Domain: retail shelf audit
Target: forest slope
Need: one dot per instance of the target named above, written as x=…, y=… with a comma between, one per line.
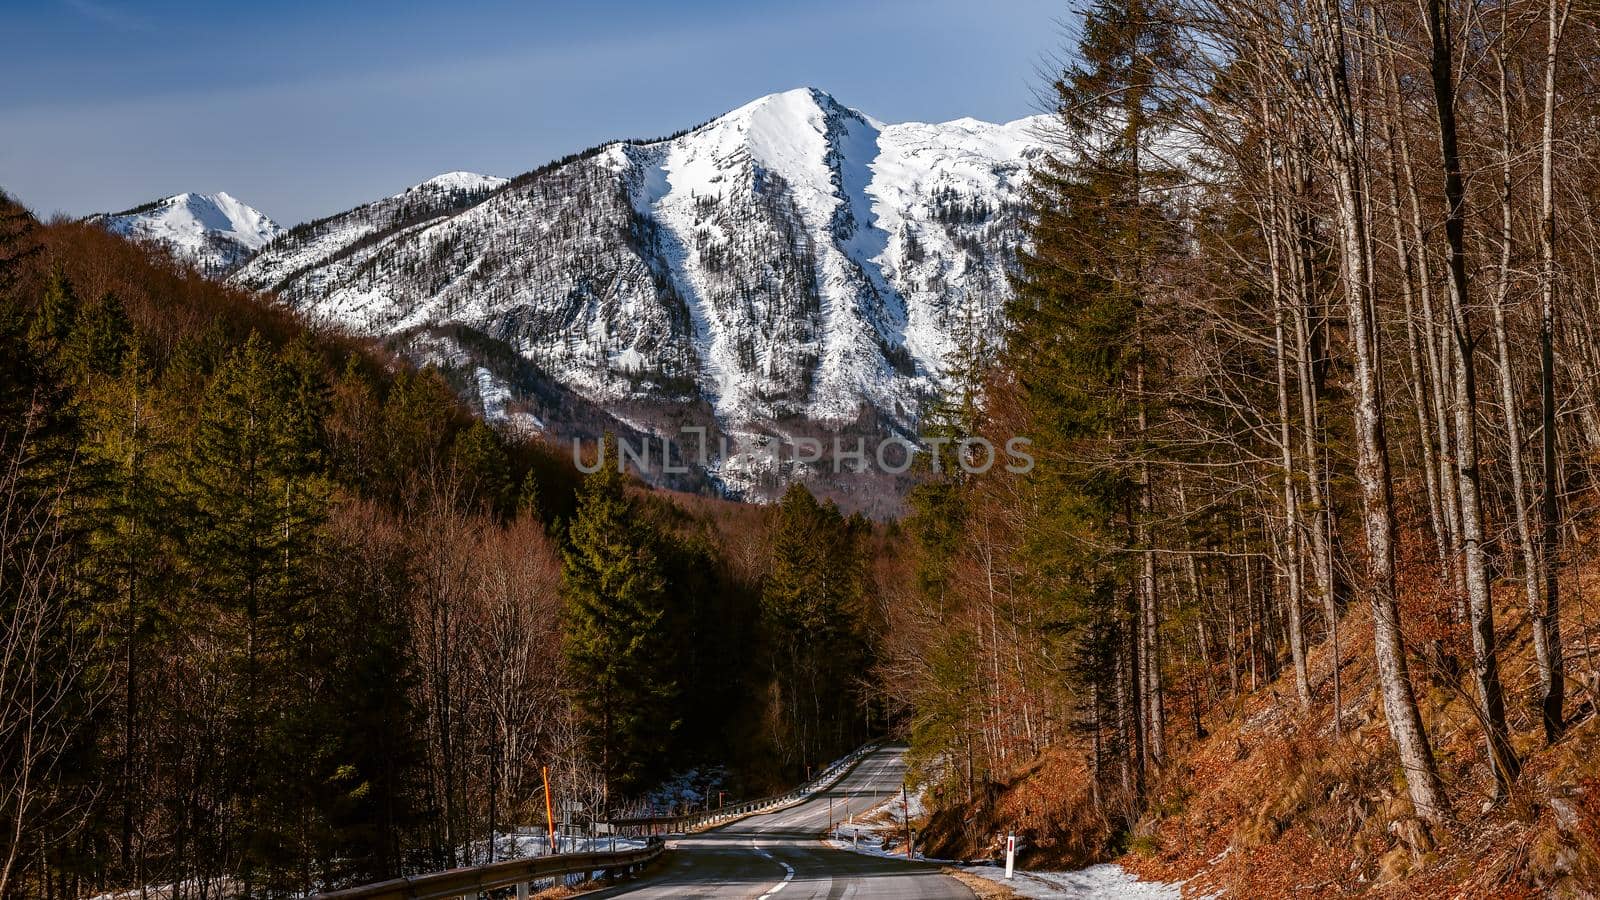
x=1262, y=800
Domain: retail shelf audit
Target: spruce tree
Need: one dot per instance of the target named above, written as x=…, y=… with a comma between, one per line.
x=254, y=502
x=127, y=568
x=418, y=422
x=54, y=316
x=98, y=339
x=47, y=750
x=528, y=497
x=364, y=789
x=811, y=610
x=938, y=502
x=1080, y=348
x=618, y=642
x=481, y=464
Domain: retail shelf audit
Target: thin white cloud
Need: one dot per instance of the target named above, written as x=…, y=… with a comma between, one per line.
x=107, y=15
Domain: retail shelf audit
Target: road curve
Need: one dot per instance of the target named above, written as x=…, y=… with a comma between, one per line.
x=779, y=855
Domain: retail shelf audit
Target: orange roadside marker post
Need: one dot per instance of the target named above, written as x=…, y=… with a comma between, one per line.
x=549, y=810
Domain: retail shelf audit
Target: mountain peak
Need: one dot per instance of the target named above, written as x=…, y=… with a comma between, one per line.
x=459, y=181
x=801, y=103
x=789, y=260
x=802, y=94
x=814, y=95
x=790, y=132
x=217, y=231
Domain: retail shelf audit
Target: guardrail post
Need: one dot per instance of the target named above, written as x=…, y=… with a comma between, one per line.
x=522, y=890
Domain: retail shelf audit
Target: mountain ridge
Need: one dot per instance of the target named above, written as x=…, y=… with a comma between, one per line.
x=791, y=266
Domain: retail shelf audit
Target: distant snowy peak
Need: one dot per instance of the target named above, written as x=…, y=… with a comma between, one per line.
x=215, y=231
x=470, y=182
x=788, y=127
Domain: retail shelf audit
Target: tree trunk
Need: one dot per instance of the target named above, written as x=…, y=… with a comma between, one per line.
x=1372, y=466
x=1552, y=669
x=1480, y=606
x=1291, y=507
x=1508, y=390
x=1450, y=569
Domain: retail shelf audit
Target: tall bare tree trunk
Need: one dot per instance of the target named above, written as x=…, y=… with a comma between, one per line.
x=1154, y=705
x=1480, y=605
x=1372, y=465
x=1421, y=378
x=1150, y=628
x=1435, y=346
x=1551, y=669
x=1130, y=715
x=1291, y=507
x=1508, y=390
x=1320, y=516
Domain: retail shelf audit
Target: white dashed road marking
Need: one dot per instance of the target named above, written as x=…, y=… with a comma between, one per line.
x=788, y=871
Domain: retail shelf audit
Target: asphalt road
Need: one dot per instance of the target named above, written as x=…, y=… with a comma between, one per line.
x=780, y=855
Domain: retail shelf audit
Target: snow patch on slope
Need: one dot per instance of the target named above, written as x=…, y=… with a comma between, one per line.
x=916, y=167
x=308, y=252
x=495, y=398
x=457, y=181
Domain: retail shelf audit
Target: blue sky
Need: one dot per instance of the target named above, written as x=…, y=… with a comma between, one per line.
x=306, y=108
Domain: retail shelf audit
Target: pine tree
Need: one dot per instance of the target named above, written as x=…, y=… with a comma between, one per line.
x=127, y=569
x=811, y=610
x=480, y=460
x=307, y=403
x=47, y=698
x=54, y=316
x=98, y=339
x=528, y=497
x=1080, y=348
x=38, y=415
x=254, y=503
x=617, y=632
x=419, y=419
x=365, y=788
x=939, y=501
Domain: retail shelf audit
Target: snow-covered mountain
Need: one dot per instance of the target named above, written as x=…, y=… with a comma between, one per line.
x=215, y=231
x=791, y=265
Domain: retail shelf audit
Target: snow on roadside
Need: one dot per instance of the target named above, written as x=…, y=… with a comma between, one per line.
x=525, y=842
x=189, y=887
x=1107, y=881
x=879, y=831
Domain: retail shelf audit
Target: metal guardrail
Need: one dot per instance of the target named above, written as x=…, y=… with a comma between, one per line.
x=714, y=817
x=471, y=881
